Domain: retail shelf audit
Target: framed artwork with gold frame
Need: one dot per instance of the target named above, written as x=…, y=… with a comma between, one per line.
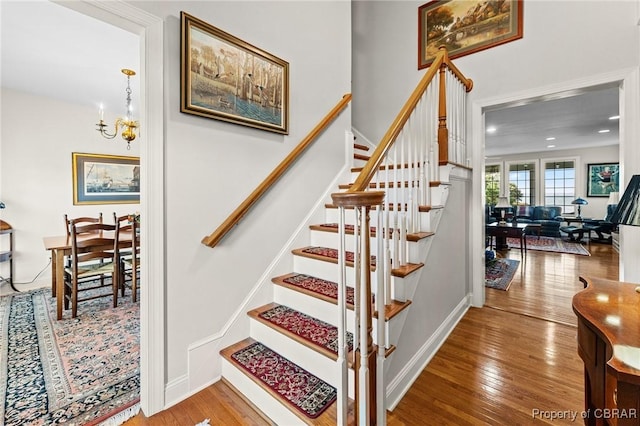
x=228, y=79
x=466, y=26
x=105, y=179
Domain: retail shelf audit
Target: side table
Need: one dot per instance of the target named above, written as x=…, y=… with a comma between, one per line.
x=502, y=232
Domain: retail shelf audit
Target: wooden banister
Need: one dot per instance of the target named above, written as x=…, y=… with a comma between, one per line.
x=235, y=217
x=369, y=170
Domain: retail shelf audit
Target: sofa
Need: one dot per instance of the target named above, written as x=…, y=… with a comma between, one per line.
x=548, y=217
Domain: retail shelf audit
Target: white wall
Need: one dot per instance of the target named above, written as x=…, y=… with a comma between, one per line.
x=38, y=136
x=212, y=166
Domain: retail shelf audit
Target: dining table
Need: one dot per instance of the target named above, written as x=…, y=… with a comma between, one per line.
x=60, y=247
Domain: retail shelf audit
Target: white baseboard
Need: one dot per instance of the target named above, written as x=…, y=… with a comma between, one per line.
x=400, y=384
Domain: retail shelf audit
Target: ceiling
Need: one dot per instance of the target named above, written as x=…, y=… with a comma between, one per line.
x=573, y=119
x=53, y=51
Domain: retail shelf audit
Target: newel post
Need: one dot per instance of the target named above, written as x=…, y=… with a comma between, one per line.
x=364, y=353
x=443, y=132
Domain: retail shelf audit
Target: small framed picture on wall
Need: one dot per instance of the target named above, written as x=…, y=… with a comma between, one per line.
x=602, y=178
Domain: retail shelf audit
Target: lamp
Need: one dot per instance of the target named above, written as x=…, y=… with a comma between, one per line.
x=614, y=197
x=127, y=124
x=580, y=202
x=503, y=205
x=627, y=212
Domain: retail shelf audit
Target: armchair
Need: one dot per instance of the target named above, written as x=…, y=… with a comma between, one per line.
x=601, y=227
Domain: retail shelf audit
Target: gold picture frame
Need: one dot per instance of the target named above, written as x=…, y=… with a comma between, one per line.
x=105, y=179
x=228, y=79
x=466, y=26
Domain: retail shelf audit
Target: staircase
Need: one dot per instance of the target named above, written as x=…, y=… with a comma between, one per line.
x=319, y=350
x=308, y=296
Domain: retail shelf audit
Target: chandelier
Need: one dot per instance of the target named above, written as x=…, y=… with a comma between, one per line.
x=127, y=124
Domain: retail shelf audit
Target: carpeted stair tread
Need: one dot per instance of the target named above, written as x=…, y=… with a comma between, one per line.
x=421, y=209
x=327, y=254
x=313, y=286
x=376, y=185
x=305, y=329
x=314, y=406
x=327, y=291
x=333, y=227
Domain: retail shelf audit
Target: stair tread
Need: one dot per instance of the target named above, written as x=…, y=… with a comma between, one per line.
x=361, y=147
x=361, y=157
x=327, y=417
x=313, y=286
x=333, y=227
x=323, y=289
x=328, y=254
x=323, y=340
x=422, y=209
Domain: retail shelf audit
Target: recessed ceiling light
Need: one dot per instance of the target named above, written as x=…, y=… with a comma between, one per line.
x=614, y=117
x=604, y=131
x=491, y=129
x=551, y=138
x=551, y=146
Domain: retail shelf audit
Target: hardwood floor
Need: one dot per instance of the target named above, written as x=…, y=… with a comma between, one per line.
x=513, y=362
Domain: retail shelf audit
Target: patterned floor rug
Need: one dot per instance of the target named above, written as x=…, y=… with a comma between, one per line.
x=318, y=333
x=557, y=245
x=81, y=371
x=499, y=273
x=304, y=391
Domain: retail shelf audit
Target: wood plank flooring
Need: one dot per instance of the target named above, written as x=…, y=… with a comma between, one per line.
x=501, y=363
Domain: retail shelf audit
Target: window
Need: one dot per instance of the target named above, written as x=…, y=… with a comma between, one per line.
x=522, y=183
x=560, y=184
x=492, y=183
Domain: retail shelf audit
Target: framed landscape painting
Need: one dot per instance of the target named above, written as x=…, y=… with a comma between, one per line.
x=602, y=178
x=105, y=179
x=466, y=26
x=228, y=79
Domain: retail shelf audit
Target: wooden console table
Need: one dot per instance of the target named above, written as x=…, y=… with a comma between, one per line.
x=609, y=344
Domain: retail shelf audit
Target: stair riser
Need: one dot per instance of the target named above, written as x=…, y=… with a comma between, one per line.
x=316, y=363
x=329, y=271
x=327, y=312
x=332, y=239
x=332, y=216
x=317, y=308
x=272, y=408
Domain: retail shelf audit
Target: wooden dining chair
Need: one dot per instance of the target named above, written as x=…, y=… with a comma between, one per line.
x=79, y=221
x=93, y=255
x=129, y=254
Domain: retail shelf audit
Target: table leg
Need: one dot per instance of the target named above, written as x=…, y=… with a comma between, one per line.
x=54, y=253
x=59, y=284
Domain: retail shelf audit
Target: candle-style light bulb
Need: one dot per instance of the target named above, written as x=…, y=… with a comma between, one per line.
x=101, y=112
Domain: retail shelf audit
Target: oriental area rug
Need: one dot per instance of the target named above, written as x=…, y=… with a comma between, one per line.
x=550, y=244
x=80, y=371
x=499, y=273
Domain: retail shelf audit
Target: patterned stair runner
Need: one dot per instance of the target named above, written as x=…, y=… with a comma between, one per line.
x=324, y=288
x=305, y=392
x=312, y=330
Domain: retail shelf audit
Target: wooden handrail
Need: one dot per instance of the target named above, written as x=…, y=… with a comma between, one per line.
x=370, y=169
x=235, y=217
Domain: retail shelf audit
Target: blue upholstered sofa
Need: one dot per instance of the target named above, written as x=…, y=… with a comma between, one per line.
x=549, y=217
